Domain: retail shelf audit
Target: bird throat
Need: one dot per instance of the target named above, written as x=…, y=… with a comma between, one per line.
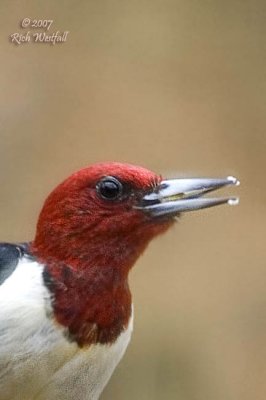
x=88, y=280
x=89, y=288
x=94, y=304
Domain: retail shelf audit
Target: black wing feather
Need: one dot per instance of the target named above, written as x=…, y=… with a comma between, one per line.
x=10, y=254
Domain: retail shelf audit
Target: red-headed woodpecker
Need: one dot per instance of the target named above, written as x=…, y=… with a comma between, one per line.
x=65, y=306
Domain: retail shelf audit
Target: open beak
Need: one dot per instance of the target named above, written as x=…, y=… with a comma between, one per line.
x=174, y=196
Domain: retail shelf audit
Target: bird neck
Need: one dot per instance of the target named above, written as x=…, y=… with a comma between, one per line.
x=87, y=275
x=93, y=304
x=89, y=287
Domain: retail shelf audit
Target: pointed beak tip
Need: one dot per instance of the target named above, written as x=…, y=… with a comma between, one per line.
x=233, y=201
x=233, y=181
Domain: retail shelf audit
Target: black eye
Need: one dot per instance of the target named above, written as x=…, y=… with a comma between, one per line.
x=109, y=188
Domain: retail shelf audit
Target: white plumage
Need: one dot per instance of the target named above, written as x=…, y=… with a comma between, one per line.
x=37, y=361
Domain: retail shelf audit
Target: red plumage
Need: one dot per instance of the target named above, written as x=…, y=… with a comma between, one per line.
x=89, y=244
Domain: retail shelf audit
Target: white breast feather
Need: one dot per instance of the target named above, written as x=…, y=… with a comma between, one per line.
x=37, y=362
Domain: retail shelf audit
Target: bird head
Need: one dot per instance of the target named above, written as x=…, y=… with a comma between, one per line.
x=90, y=232
x=107, y=213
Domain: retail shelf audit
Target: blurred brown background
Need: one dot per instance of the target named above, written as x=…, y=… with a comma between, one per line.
x=178, y=87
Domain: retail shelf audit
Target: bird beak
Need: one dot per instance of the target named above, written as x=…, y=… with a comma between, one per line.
x=174, y=196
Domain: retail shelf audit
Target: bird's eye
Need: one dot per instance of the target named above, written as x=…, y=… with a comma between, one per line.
x=109, y=188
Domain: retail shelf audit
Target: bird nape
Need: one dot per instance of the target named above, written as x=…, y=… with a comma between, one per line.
x=66, y=312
